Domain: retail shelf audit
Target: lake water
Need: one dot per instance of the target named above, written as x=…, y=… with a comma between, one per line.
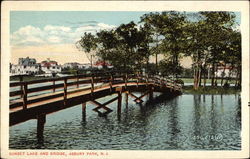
x=187, y=122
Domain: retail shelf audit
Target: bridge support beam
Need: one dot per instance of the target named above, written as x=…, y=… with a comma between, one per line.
x=103, y=106
x=41, y=119
x=139, y=100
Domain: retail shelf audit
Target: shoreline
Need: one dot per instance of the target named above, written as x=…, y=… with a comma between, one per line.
x=211, y=90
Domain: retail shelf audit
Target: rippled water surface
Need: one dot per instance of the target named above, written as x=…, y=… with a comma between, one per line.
x=187, y=122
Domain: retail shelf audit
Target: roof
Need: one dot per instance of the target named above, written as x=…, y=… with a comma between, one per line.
x=102, y=63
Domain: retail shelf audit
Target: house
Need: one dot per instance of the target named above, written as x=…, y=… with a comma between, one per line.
x=225, y=71
x=76, y=65
x=25, y=66
x=26, y=61
x=25, y=69
x=101, y=64
x=84, y=66
x=71, y=65
x=48, y=67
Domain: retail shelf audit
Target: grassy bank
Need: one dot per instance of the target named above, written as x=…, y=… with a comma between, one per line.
x=27, y=78
x=208, y=81
x=211, y=90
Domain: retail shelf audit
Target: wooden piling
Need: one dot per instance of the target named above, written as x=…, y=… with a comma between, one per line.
x=84, y=111
x=41, y=119
x=126, y=95
x=151, y=93
x=119, y=105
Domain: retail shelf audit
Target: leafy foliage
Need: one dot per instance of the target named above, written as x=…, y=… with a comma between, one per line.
x=207, y=37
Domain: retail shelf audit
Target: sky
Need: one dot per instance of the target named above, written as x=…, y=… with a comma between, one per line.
x=53, y=34
x=48, y=34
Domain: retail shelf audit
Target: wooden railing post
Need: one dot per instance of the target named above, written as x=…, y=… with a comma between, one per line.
x=54, y=89
x=25, y=94
x=110, y=82
x=65, y=91
x=161, y=82
x=174, y=85
x=21, y=86
x=137, y=79
x=126, y=80
x=92, y=85
x=77, y=79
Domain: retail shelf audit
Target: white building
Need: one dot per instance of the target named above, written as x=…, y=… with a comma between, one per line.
x=70, y=65
x=48, y=67
x=25, y=66
x=224, y=71
x=24, y=70
x=28, y=66
x=76, y=65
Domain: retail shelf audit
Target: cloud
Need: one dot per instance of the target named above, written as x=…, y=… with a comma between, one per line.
x=82, y=22
x=237, y=28
x=28, y=35
x=54, y=39
x=50, y=34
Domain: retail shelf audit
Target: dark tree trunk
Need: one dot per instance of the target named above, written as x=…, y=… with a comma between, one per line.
x=222, y=78
x=194, y=77
x=216, y=77
x=200, y=77
x=204, y=79
x=212, y=74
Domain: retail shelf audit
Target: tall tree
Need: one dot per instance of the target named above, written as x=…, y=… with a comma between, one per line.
x=171, y=28
x=88, y=43
x=150, y=22
x=217, y=23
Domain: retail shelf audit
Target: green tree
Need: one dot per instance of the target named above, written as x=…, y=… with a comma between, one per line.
x=207, y=40
x=168, y=68
x=217, y=24
x=150, y=22
x=89, y=44
x=170, y=27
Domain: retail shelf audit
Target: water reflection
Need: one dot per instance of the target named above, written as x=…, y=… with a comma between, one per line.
x=187, y=122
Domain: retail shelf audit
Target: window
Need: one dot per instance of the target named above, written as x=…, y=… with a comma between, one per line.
x=47, y=67
x=53, y=67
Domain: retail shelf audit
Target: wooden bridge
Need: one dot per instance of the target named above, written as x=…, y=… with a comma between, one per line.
x=35, y=99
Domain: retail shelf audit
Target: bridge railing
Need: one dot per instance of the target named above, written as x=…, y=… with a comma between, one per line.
x=63, y=86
